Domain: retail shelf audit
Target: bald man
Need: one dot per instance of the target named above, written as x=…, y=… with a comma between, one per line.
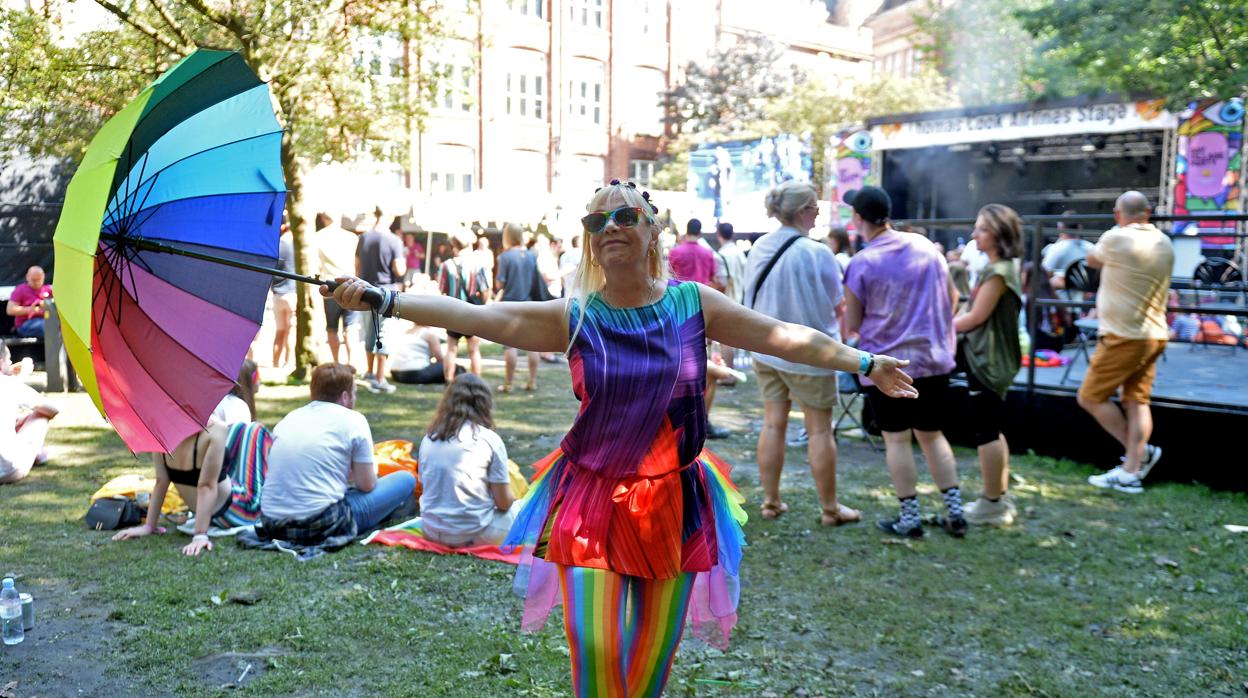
x=1135, y=259
x=26, y=305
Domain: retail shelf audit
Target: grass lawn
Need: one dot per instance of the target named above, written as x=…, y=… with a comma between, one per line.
x=1092, y=593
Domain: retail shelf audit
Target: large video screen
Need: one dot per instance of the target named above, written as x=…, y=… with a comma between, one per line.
x=730, y=179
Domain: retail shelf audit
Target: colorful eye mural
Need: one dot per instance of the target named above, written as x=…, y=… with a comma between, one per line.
x=851, y=168
x=1208, y=165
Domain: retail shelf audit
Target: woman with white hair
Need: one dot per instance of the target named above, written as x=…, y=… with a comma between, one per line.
x=795, y=279
x=629, y=521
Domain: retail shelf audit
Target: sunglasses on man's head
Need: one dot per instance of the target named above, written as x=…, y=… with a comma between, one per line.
x=624, y=216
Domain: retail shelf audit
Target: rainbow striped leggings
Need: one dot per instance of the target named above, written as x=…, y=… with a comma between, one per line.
x=623, y=631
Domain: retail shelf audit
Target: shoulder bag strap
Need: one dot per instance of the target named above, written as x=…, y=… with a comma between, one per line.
x=771, y=263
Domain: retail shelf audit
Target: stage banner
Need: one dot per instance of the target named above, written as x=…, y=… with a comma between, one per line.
x=851, y=169
x=1030, y=121
x=730, y=179
x=1208, y=166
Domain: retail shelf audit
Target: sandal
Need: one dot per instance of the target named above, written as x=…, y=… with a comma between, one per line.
x=841, y=515
x=774, y=510
x=530, y=387
x=505, y=388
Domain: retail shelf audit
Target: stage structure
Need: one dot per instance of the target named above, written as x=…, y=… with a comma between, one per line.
x=1046, y=158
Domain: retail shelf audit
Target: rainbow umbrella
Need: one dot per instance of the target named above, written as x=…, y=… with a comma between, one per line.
x=184, y=180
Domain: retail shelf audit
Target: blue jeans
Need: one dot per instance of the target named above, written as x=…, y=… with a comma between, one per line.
x=32, y=328
x=371, y=508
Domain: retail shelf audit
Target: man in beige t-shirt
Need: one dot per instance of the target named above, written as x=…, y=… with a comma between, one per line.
x=1135, y=260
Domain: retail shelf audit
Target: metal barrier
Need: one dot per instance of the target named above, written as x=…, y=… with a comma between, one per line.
x=1036, y=225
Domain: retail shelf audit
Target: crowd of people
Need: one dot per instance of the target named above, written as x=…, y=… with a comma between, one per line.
x=630, y=523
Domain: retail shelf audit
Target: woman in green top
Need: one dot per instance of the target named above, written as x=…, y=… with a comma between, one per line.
x=989, y=346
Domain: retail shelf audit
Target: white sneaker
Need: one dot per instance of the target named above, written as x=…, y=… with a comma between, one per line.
x=1118, y=479
x=1152, y=454
x=801, y=439
x=380, y=387
x=984, y=512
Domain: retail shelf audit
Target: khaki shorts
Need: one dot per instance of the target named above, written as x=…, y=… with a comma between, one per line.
x=1129, y=363
x=815, y=392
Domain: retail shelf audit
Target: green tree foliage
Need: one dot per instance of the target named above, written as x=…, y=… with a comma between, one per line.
x=332, y=103
x=730, y=87
x=814, y=108
x=1181, y=50
x=981, y=47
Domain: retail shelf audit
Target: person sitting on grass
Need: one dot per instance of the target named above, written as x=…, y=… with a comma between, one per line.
x=220, y=470
x=239, y=405
x=322, y=479
x=418, y=359
x=21, y=438
x=466, y=498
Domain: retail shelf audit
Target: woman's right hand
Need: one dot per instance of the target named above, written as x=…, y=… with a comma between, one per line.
x=890, y=379
x=349, y=293
x=138, y=532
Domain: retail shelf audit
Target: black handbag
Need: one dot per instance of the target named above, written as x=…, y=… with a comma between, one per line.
x=112, y=513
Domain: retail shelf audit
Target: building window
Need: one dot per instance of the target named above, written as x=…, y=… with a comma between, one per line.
x=527, y=8
x=585, y=89
x=467, y=180
x=640, y=171
x=526, y=86
x=586, y=13
x=454, y=86
x=652, y=18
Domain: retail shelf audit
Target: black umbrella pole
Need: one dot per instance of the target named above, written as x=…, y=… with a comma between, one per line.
x=372, y=296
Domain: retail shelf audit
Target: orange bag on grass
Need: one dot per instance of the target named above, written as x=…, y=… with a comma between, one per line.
x=395, y=455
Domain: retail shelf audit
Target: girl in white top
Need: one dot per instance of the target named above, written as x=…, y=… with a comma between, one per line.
x=466, y=498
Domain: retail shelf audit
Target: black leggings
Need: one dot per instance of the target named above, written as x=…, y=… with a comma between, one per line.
x=987, y=411
x=429, y=375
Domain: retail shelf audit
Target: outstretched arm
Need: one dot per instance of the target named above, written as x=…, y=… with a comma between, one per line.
x=532, y=326
x=737, y=326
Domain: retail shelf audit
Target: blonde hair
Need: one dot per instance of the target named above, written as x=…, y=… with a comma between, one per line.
x=786, y=200
x=589, y=278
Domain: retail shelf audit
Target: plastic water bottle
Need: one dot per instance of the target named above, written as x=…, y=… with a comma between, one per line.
x=11, y=613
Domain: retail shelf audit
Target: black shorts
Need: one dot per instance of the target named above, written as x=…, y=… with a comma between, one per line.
x=335, y=316
x=925, y=413
x=455, y=336
x=987, y=411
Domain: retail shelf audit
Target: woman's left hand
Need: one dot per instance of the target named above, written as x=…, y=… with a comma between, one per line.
x=199, y=543
x=890, y=379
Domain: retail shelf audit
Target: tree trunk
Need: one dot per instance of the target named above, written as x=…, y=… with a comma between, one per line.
x=305, y=356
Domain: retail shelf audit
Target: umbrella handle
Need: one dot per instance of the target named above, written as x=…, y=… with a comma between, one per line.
x=373, y=295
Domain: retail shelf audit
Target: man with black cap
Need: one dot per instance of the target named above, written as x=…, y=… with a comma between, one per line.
x=900, y=300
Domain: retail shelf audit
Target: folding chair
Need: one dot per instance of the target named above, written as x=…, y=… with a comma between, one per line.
x=1082, y=279
x=849, y=394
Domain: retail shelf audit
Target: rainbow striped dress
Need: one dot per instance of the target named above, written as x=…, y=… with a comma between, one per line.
x=630, y=489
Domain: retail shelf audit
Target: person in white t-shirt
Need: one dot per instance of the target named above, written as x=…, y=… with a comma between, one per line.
x=239, y=405
x=21, y=439
x=466, y=497
x=419, y=357
x=322, y=457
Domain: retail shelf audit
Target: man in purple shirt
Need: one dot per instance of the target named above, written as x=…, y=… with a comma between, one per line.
x=692, y=260
x=900, y=300
x=26, y=305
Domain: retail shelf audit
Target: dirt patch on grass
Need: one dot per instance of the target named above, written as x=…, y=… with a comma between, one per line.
x=233, y=669
x=69, y=651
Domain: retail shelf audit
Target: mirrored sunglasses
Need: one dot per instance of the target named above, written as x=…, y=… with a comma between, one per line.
x=624, y=216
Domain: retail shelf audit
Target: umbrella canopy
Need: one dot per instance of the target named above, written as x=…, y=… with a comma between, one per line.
x=192, y=163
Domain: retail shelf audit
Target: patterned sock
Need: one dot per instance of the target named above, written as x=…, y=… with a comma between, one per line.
x=909, y=512
x=953, y=502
